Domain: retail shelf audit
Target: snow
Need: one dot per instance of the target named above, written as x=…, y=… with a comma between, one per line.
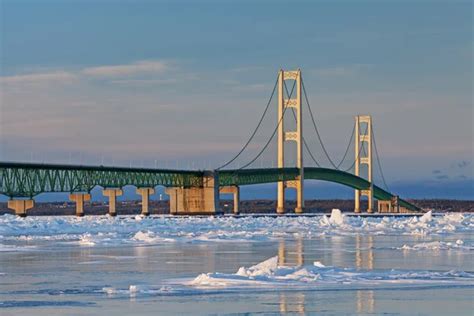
x=93, y=231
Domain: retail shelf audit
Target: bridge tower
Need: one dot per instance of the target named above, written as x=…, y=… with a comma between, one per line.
x=363, y=158
x=284, y=136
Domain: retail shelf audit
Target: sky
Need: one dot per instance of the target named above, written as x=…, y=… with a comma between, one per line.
x=182, y=84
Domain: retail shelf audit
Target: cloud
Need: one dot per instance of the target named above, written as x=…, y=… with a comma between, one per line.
x=436, y=171
x=61, y=76
x=442, y=177
x=139, y=67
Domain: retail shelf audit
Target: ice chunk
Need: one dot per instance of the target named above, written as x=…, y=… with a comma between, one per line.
x=427, y=217
x=318, y=264
x=336, y=217
x=269, y=274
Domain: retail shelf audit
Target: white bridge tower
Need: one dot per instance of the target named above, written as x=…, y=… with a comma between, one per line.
x=284, y=136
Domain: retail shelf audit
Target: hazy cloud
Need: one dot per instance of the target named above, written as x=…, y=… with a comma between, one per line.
x=442, y=177
x=39, y=77
x=139, y=67
x=436, y=171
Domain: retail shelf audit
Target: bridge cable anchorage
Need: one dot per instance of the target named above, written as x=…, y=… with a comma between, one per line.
x=273, y=134
x=255, y=131
x=378, y=160
x=360, y=151
x=304, y=140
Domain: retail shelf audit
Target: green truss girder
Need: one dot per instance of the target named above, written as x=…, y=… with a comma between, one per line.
x=255, y=176
x=28, y=180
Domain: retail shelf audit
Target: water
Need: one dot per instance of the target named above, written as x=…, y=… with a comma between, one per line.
x=162, y=265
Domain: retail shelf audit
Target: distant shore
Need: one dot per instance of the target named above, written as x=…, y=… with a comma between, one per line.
x=246, y=206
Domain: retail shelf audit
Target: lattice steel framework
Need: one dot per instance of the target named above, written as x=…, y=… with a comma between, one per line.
x=28, y=180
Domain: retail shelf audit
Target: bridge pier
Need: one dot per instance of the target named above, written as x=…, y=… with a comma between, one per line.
x=112, y=194
x=21, y=206
x=145, y=193
x=79, y=198
x=235, y=190
x=196, y=200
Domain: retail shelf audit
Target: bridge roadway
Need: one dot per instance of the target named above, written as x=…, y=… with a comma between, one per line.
x=21, y=180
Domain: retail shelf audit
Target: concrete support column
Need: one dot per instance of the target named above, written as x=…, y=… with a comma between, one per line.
x=196, y=200
x=112, y=194
x=145, y=193
x=235, y=191
x=236, y=200
x=79, y=198
x=21, y=206
x=357, y=201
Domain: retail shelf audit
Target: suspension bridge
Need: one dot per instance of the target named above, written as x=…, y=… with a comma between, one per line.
x=198, y=191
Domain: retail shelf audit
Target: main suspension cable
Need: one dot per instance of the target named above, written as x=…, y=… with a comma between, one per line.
x=378, y=159
x=304, y=140
x=315, y=127
x=255, y=131
x=347, y=148
x=273, y=134
x=360, y=151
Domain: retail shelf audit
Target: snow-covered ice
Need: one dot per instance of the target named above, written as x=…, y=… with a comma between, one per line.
x=439, y=245
x=92, y=231
x=269, y=274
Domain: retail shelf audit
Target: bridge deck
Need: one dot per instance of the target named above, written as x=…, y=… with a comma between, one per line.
x=28, y=179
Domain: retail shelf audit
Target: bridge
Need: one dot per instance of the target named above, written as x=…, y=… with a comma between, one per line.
x=198, y=191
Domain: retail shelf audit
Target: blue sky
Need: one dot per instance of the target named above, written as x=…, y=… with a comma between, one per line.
x=183, y=83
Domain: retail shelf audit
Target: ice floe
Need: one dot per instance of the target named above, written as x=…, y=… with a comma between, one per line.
x=438, y=245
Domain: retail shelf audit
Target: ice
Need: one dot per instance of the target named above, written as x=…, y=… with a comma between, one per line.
x=336, y=217
x=427, y=217
x=156, y=230
x=268, y=274
x=86, y=240
x=150, y=237
x=438, y=245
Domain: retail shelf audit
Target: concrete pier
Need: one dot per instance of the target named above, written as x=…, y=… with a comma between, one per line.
x=80, y=198
x=21, y=206
x=145, y=193
x=112, y=193
x=196, y=200
x=235, y=190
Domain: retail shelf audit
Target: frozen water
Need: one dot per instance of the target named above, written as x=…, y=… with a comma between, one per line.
x=93, y=231
x=269, y=274
x=438, y=245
